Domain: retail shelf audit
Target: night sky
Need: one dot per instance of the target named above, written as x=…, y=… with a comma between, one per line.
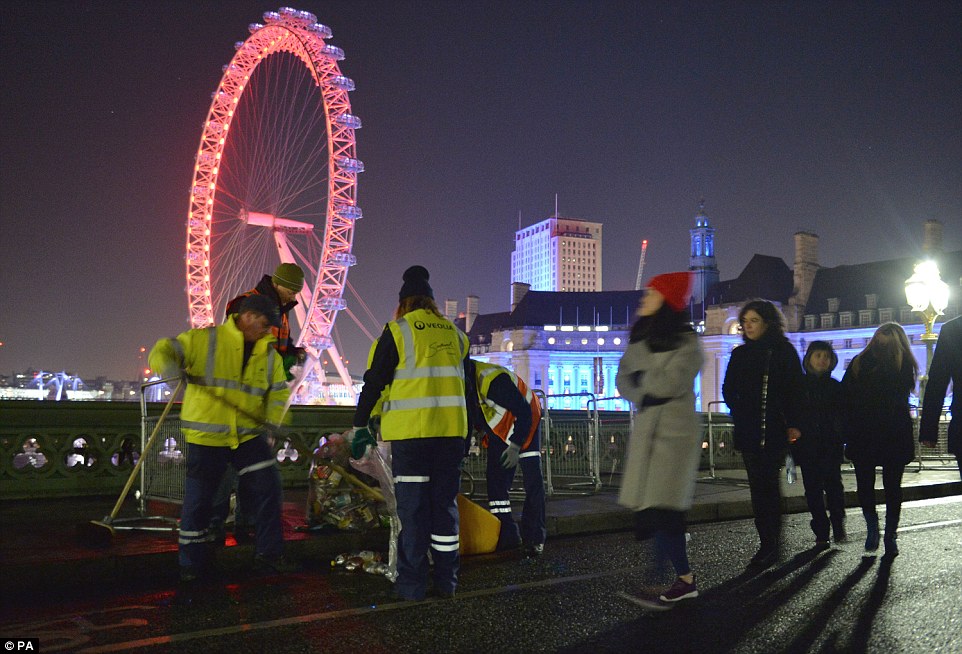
x=842, y=118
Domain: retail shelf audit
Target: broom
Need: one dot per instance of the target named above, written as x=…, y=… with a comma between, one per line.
x=101, y=532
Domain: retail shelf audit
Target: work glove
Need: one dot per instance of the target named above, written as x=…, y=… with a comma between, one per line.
x=289, y=362
x=510, y=457
x=361, y=438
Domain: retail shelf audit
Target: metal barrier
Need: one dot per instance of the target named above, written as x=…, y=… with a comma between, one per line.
x=165, y=466
x=570, y=447
x=941, y=450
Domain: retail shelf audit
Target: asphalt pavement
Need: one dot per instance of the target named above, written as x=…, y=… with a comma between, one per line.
x=41, y=550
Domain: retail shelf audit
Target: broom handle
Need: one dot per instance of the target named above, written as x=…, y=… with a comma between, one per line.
x=143, y=455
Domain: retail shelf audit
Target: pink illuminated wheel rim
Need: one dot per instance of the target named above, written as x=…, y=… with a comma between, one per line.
x=276, y=178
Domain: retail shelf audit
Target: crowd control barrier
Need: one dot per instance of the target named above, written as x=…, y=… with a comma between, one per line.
x=165, y=466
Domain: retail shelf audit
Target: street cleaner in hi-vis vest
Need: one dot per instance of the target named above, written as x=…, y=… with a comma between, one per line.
x=235, y=398
x=510, y=418
x=421, y=356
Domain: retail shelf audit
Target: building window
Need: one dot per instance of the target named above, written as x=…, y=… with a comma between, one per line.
x=866, y=317
x=871, y=301
x=828, y=320
x=886, y=315
x=845, y=319
x=809, y=322
x=832, y=304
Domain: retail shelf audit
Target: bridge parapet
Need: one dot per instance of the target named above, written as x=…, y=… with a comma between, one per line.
x=64, y=449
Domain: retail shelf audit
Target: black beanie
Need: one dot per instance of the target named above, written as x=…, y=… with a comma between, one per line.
x=415, y=283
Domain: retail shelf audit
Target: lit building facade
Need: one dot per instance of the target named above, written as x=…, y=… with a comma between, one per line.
x=568, y=344
x=558, y=254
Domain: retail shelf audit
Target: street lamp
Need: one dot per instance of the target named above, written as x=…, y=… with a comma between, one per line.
x=927, y=294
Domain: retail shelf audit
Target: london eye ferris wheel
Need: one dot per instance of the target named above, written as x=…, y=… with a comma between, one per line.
x=275, y=180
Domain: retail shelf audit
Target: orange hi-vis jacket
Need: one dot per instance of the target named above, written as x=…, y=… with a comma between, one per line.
x=500, y=420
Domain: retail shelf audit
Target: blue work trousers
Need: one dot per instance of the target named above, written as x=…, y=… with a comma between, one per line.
x=259, y=482
x=427, y=478
x=533, y=530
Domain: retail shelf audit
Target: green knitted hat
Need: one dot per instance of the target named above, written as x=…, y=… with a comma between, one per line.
x=289, y=275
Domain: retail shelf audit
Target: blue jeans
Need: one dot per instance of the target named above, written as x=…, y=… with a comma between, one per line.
x=259, y=480
x=427, y=478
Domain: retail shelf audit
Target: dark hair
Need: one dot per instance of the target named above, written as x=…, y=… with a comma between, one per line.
x=662, y=330
x=819, y=346
x=415, y=302
x=774, y=320
x=895, y=355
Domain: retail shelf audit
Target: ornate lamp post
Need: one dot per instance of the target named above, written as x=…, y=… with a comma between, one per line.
x=927, y=294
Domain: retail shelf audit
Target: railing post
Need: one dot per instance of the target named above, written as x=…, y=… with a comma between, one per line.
x=711, y=441
x=546, y=440
x=594, y=438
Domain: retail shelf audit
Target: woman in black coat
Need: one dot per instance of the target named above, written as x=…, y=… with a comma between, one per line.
x=877, y=385
x=762, y=389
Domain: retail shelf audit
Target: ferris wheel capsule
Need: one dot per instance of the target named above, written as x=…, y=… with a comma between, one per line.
x=321, y=30
x=253, y=27
x=271, y=17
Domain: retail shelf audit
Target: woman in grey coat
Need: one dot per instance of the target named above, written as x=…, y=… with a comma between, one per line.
x=657, y=374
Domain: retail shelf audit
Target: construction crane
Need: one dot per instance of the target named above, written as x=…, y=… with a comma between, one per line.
x=641, y=264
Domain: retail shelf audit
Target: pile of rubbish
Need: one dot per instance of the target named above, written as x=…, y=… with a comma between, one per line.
x=365, y=560
x=337, y=498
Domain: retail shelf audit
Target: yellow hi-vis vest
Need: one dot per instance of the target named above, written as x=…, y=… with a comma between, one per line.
x=427, y=393
x=499, y=419
x=212, y=358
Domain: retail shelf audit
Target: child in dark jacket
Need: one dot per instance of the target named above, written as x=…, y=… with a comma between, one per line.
x=819, y=451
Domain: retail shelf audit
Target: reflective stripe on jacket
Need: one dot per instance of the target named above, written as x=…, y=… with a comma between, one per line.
x=427, y=393
x=212, y=358
x=500, y=420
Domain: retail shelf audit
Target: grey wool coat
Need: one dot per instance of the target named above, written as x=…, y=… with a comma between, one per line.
x=665, y=445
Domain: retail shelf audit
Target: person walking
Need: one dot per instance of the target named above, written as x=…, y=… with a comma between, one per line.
x=762, y=389
x=657, y=374
x=510, y=418
x=235, y=397
x=819, y=451
x=421, y=355
x=946, y=366
x=877, y=385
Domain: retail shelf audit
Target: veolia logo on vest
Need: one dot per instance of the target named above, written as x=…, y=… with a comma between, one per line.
x=419, y=325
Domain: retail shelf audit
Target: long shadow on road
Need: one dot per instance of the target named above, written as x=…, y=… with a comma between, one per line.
x=720, y=618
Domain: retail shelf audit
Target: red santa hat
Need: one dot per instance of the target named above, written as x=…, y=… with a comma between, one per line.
x=676, y=287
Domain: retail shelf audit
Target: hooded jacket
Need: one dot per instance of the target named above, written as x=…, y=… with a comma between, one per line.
x=822, y=429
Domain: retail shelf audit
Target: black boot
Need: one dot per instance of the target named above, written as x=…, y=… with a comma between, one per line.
x=871, y=524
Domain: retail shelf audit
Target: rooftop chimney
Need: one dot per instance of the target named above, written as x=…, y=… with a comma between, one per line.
x=932, y=237
x=518, y=291
x=806, y=265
